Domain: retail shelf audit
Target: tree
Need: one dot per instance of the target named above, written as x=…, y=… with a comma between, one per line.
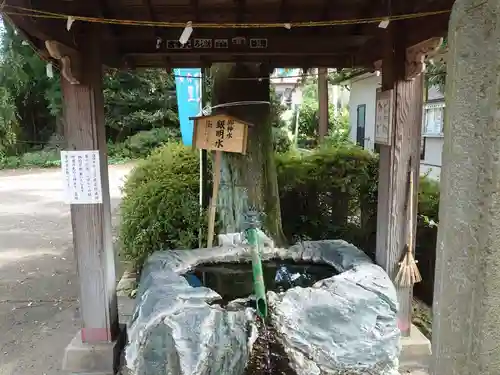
x=338, y=123
x=139, y=100
x=31, y=102
x=26, y=111
x=248, y=181
x=435, y=75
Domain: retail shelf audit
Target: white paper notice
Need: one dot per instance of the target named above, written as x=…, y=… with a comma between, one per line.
x=82, y=177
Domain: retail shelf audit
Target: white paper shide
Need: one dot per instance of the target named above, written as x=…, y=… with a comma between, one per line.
x=82, y=177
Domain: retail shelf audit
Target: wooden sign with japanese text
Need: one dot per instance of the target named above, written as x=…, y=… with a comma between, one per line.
x=220, y=133
x=384, y=117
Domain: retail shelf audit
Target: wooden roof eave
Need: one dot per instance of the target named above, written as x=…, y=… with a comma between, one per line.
x=356, y=46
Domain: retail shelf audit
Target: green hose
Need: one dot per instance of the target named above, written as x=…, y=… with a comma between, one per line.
x=258, y=277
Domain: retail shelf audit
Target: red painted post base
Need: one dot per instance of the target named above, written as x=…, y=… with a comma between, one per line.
x=98, y=358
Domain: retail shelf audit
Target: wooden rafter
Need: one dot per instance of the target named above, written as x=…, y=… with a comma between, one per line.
x=157, y=35
x=226, y=12
x=284, y=15
x=105, y=12
x=359, y=46
x=369, y=9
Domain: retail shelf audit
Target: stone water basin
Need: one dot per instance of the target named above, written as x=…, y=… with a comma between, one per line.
x=331, y=311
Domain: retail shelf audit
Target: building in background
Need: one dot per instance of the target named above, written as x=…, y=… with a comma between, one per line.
x=362, y=120
x=362, y=102
x=286, y=83
x=432, y=133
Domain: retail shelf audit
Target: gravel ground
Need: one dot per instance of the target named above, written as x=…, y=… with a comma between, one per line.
x=38, y=288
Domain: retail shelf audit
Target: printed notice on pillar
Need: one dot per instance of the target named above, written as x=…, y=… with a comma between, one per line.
x=82, y=177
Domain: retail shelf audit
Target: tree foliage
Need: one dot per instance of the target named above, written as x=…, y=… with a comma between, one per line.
x=31, y=102
x=25, y=95
x=141, y=100
x=435, y=75
x=338, y=122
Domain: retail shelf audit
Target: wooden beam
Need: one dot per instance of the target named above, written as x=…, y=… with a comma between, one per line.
x=252, y=43
x=41, y=31
x=283, y=13
x=91, y=223
x=113, y=48
x=239, y=34
x=157, y=34
x=278, y=61
x=143, y=33
x=416, y=31
x=394, y=166
x=225, y=12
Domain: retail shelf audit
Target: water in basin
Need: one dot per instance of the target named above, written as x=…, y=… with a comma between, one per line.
x=234, y=280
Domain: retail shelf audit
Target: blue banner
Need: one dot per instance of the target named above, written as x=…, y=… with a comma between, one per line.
x=286, y=72
x=188, y=88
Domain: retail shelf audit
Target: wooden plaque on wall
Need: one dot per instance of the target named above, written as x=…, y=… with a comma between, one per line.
x=384, y=118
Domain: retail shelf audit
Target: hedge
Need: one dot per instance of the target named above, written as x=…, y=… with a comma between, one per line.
x=329, y=193
x=325, y=193
x=160, y=207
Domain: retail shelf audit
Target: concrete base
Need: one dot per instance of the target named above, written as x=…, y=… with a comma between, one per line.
x=93, y=359
x=415, y=347
x=415, y=353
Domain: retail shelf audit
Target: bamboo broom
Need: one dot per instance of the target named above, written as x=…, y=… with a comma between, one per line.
x=408, y=273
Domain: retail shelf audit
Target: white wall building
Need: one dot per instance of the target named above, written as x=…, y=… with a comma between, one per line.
x=362, y=120
x=286, y=86
x=432, y=133
x=362, y=109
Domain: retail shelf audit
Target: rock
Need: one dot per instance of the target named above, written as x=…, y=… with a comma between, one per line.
x=345, y=324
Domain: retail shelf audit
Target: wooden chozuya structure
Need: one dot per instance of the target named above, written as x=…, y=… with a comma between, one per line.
x=285, y=33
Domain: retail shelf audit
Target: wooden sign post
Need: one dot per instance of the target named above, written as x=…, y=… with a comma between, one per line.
x=220, y=133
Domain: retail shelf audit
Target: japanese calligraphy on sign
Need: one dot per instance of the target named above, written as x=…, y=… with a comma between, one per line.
x=82, y=177
x=258, y=43
x=239, y=41
x=203, y=43
x=383, y=117
x=221, y=43
x=220, y=133
x=209, y=43
x=194, y=87
x=175, y=44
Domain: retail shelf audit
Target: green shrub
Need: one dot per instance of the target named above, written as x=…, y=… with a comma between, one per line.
x=338, y=124
x=141, y=144
x=326, y=193
x=160, y=207
x=281, y=140
x=426, y=240
x=339, y=130
x=428, y=198
x=35, y=159
x=138, y=146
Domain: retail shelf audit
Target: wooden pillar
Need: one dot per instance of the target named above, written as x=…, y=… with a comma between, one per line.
x=91, y=223
x=323, y=103
x=401, y=72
